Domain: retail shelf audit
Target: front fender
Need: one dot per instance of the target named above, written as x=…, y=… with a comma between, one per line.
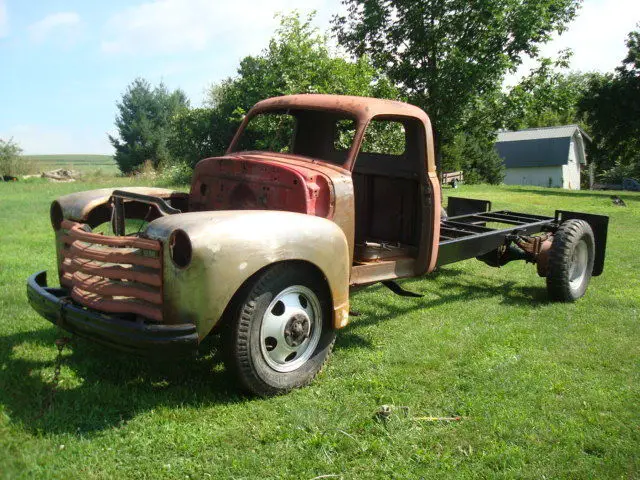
x=80, y=205
x=228, y=247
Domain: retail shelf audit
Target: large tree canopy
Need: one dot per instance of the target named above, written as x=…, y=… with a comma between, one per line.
x=548, y=96
x=444, y=53
x=612, y=108
x=297, y=60
x=142, y=122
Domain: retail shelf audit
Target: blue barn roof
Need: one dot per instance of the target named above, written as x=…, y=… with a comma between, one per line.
x=540, y=147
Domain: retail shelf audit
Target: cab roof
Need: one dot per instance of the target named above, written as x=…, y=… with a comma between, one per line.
x=363, y=108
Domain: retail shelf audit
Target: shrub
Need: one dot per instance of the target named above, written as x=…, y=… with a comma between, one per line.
x=178, y=174
x=619, y=171
x=11, y=160
x=475, y=155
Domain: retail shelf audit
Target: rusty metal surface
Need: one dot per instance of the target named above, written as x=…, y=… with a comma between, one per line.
x=228, y=247
x=429, y=256
x=78, y=206
x=361, y=109
x=115, y=331
x=111, y=288
x=111, y=274
x=377, y=271
x=340, y=185
x=76, y=232
x=542, y=258
x=115, y=305
x=253, y=181
x=110, y=255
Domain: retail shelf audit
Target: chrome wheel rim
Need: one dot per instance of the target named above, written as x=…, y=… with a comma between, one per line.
x=291, y=328
x=579, y=262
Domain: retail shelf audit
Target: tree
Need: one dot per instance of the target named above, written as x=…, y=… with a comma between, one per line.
x=546, y=97
x=10, y=158
x=196, y=134
x=143, y=121
x=297, y=60
x=446, y=53
x=612, y=108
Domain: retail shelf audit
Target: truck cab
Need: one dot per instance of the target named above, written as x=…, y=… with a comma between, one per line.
x=365, y=164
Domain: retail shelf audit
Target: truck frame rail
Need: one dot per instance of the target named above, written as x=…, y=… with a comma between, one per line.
x=468, y=236
x=475, y=231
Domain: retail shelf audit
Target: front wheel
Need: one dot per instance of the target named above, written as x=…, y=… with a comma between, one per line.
x=570, y=261
x=282, y=331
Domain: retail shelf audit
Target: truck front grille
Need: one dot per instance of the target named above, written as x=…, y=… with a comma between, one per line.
x=112, y=274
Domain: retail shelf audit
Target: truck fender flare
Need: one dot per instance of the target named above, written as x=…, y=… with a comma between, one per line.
x=229, y=247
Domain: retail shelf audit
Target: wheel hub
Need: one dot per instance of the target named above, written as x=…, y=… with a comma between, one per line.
x=291, y=328
x=579, y=262
x=297, y=329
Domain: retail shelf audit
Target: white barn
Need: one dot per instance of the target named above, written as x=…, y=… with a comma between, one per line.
x=544, y=157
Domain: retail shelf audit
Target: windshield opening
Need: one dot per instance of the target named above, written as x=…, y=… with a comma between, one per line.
x=321, y=135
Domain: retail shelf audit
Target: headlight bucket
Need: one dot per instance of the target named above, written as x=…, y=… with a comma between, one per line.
x=180, y=248
x=56, y=215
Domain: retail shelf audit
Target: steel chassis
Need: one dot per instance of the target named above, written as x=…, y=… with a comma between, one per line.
x=465, y=234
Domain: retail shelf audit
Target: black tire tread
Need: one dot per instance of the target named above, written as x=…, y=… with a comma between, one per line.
x=244, y=367
x=565, y=238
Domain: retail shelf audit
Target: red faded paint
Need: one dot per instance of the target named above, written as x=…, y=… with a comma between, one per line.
x=252, y=181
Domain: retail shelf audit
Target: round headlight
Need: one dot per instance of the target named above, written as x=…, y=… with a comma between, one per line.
x=180, y=248
x=55, y=213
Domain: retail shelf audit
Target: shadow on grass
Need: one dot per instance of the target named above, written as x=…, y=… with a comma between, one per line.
x=448, y=289
x=103, y=389
x=100, y=388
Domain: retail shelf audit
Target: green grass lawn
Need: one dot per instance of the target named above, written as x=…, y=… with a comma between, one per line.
x=83, y=163
x=544, y=390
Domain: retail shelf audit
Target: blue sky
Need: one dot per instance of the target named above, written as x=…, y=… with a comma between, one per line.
x=66, y=63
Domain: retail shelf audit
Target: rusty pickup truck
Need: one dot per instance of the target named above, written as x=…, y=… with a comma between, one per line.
x=331, y=193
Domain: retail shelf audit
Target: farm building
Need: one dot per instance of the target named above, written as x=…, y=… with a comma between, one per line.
x=544, y=157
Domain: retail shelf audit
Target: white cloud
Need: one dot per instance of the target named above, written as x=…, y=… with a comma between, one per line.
x=40, y=30
x=171, y=26
x=50, y=139
x=4, y=20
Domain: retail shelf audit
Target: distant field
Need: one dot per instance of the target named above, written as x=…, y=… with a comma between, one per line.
x=84, y=163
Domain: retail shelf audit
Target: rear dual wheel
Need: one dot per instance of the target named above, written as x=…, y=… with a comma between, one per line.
x=282, y=333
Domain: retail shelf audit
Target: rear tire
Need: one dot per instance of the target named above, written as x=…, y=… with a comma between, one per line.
x=282, y=332
x=570, y=261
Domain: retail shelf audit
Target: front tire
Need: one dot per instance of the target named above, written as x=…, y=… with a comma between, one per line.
x=282, y=333
x=570, y=261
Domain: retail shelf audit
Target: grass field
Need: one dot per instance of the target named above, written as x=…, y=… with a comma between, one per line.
x=544, y=390
x=84, y=163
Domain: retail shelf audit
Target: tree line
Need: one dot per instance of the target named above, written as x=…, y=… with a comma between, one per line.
x=449, y=57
